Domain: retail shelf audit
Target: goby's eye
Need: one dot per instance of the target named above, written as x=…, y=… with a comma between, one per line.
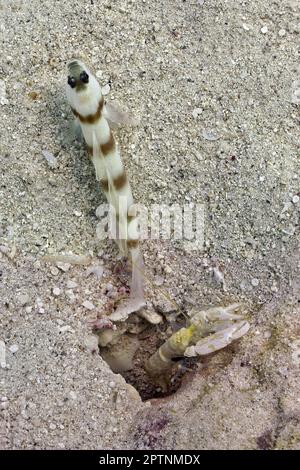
x=84, y=77
x=72, y=82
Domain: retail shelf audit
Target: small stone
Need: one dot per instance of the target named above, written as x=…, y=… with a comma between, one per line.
x=254, y=282
x=70, y=294
x=52, y=426
x=89, y=305
x=281, y=33
x=168, y=270
x=28, y=309
x=4, y=249
x=210, y=135
x=4, y=405
x=295, y=199
x=50, y=158
x=246, y=27
x=73, y=395
x=106, y=337
x=3, y=399
x=264, y=30
x=78, y=213
x=71, y=284
x=13, y=348
x=63, y=266
x=164, y=306
x=112, y=384
x=97, y=270
x=23, y=299
x=151, y=316
x=2, y=354
x=196, y=112
x=91, y=343
x=54, y=271
x=159, y=280
x=56, y=291
x=3, y=99
x=105, y=89
x=65, y=329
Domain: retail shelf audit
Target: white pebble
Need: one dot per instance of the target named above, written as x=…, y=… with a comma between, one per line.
x=91, y=343
x=52, y=426
x=281, y=33
x=70, y=294
x=13, y=348
x=112, y=384
x=65, y=329
x=56, y=291
x=196, y=112
x=71, y=284
x=168, y=270
x=54, y=271
x=73, y=395
x=246, y=27
x=209, y=134
x=3, y=399
x=105, y=89
x=218, y=275
x=3, y=99
x=295, y=199
x=63, y=266
x=254, y=282
x=2, y=355
x=89, y=305
x=264, y=30
x=50, y=158
x=23, y=299
x=159, y=280
x=97, y=270
x=151, y=316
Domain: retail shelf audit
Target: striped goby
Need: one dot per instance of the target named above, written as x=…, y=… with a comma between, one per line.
x=88, y=106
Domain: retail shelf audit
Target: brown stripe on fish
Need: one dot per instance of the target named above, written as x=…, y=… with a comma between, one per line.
x=90, y=118
x=90, y=150
x=132, y=244
x=109, y=146
x=119, y=182
x=130, y=218
x=104, y=185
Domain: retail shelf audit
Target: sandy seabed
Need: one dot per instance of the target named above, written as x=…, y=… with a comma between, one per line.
x=216, y=87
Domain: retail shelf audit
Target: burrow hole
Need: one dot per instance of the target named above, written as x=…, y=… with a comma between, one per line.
x=129, y=352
